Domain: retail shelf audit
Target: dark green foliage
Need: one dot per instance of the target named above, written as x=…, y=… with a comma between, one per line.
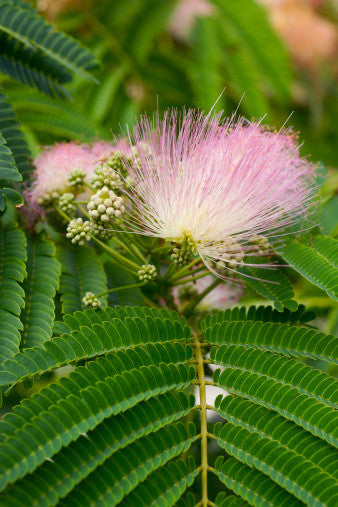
x=109, y=430
x=94, y=333
x=274, y=337
x=43, y=271
x=317, y=263
x=273, y=284
x=99, y=444
x=260, y=313
x=12, y=272
x=30, y=43
x=82, y=272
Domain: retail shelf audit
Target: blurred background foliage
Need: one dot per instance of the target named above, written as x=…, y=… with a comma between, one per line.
x=268, y=57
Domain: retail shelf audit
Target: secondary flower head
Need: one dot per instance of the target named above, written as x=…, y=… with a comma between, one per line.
x=221, y=297
x=216, y=185
x=55, y=163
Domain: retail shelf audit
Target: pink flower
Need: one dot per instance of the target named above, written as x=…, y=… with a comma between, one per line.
x=221, y=297
x=218, y=186
x=101, y=149
x=53, y=166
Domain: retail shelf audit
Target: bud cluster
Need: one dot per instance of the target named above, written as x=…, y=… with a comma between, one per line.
x=66, y=203
x=106, y=176
x=147, y=272
x=232, y=259
x=260, y=244
x=46, y=199
x=91, y=301
x=100, y=232
x=104, y=205
x=76, y=177
x=78, y=231
x=181, y=256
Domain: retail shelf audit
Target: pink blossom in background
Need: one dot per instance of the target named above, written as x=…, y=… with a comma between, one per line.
x=54, y=164
x=310, y=38
x=101, y=148
x=185, y=14
x=216, y=182
x=221, y=297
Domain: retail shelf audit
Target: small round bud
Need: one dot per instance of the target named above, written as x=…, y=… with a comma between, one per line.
x=147, y=272
x=78, y=231
x=76, y=177
x=66, y=203
x=260, y=244
x=106, y=176
x=91, y=301
x=105, y=205
x=100, y=232
x=181, y=256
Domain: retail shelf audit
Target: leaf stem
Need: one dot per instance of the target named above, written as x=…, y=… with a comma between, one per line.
x=122, y=287
x=191, y=279
x=203, y=415
x=181, y=272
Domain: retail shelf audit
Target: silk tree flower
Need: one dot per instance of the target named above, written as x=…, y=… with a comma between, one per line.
x=222, y=187
x=55, y=163
x=221, y=297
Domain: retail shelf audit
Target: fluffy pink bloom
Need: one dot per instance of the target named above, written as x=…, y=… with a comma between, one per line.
x=221, y=297
x=217, y=184
x=55, y=162
x=101, y=149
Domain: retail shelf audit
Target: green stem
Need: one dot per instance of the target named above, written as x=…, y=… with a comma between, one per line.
x=127, y=263
x=185, y=269
x=192, y=279
x=122, y=287
x=203, y=415
x=197, y=299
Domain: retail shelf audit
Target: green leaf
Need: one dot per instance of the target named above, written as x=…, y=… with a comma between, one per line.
x=65, y=410
x=12, y=196
x=98, y=445
x=315, y=263
x=274, y=337
x=273, y=284
x=329, y=216
x=8, y=169
x=43, y=271
x=123, y=472
x=12, y=271
x=15, y=139
x=249, y=21
x=27, y=27
x=166, y=485
x=93, y=333
x=81, y=272
x=207, y=56
x=119, y=277
x=260, y=313
x=251, y=485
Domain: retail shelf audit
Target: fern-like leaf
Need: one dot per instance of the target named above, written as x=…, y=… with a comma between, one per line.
x=98, y=445
x=93, y=333
x=317, y=263
x=14, y=137
x=12, y=272
x=30, y=29
x=82, y=272
x=280, y=338
x=42, y=280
